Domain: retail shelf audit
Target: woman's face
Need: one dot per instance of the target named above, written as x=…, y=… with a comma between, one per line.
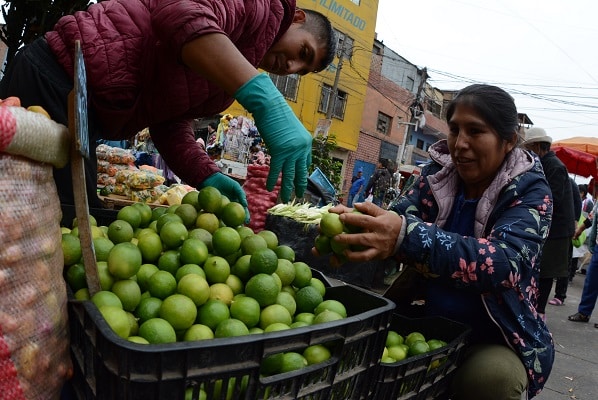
x=476, y=149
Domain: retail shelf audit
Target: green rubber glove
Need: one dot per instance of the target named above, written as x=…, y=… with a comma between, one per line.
x=228, y=187
x=289, y=143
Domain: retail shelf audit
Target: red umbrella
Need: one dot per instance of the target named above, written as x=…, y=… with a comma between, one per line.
x=577, y=162
x=581, y=143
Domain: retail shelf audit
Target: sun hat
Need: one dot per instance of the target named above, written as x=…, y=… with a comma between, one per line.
x=535, y=135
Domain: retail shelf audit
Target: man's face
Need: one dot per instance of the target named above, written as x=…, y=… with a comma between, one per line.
x=297, y=51
x=532, y=147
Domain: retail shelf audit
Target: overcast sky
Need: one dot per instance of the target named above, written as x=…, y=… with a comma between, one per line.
x=543, y=52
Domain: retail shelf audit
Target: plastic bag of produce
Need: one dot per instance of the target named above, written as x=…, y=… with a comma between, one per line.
x=114, y=155
x=34, y=343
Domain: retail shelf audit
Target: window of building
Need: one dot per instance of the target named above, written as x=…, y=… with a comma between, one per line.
x=288, y=85
x=356, y=1
x=420, y=144
x=384, y=123
x=339, y=105
x=434, y=108
x=344, y=44
x=410, y=84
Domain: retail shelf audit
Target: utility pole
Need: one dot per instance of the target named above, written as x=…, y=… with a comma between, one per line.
x=325, y=123
x=334, y=90
x=412, y=121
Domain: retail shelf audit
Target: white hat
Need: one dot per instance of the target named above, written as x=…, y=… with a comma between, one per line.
x=534, y=135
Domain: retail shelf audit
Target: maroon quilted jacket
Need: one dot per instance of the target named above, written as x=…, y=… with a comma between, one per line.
x=134, y=73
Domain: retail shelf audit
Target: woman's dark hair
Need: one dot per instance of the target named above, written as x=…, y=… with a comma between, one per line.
x=583, y=188
x=494, y=105
x=213, y=125
x=319, y=25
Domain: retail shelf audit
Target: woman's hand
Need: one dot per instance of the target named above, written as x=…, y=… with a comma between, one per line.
x=377, y=231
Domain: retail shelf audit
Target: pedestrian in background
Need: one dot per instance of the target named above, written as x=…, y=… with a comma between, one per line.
x=356, y=190
x=562, y=283
x=589, y=295
x=555, y=253
x=379, y=182
x=587, y=204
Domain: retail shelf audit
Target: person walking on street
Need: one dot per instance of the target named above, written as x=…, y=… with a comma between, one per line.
x=379, y=182
x=162, y=64
x=589, y=295
x=555, y=253
x=356, y=190
x=587, y=205
x=580, y=248
x=562, y=283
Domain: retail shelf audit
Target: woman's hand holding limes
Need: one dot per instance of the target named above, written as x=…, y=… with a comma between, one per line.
x=369, y=232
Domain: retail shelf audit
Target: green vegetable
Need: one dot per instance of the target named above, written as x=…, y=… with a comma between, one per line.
x=300, y=212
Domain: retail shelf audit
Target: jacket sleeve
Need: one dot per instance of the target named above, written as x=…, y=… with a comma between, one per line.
x=576, y=199
x=518, y=228
x=371, y=182
x=176, y=144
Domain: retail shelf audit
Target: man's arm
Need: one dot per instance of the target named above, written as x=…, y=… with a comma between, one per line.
x=216, y=58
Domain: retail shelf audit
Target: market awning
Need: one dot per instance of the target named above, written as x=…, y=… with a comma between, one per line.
x=577, y=162
x=581, y=143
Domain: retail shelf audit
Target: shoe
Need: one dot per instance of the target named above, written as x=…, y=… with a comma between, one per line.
x=579, y=317
x=595, y=325
x=556, y=302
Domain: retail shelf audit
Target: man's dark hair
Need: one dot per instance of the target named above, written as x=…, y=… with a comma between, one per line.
x=544, y=146
x=583, y=188
x=319, y=25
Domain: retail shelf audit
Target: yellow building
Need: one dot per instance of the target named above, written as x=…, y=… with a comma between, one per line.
x=354, y=22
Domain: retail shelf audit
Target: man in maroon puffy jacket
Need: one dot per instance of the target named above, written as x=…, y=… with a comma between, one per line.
x=162, y=63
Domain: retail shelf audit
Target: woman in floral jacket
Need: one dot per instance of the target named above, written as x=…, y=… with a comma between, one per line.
x=471, y=229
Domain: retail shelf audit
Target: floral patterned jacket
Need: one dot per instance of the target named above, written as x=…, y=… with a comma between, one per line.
x=501, y=262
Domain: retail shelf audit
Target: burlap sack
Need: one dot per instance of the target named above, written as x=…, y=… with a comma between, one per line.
x=34, y=339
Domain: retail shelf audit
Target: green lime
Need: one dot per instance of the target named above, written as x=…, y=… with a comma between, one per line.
x=331, y=225
x=316, y=353
x=231, y=327
x=246, y=309
x=307, y=299
x=292, y=361
x=117, y=319
x=212, y=313
x=157, y=330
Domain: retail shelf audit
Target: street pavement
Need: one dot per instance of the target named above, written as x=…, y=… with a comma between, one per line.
x=575, y=371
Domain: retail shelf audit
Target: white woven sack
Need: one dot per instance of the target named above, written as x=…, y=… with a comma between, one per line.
x=34, y=341
x=33, y=135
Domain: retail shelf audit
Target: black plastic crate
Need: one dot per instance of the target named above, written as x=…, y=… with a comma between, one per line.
x=426, y=376
x=109, y=367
